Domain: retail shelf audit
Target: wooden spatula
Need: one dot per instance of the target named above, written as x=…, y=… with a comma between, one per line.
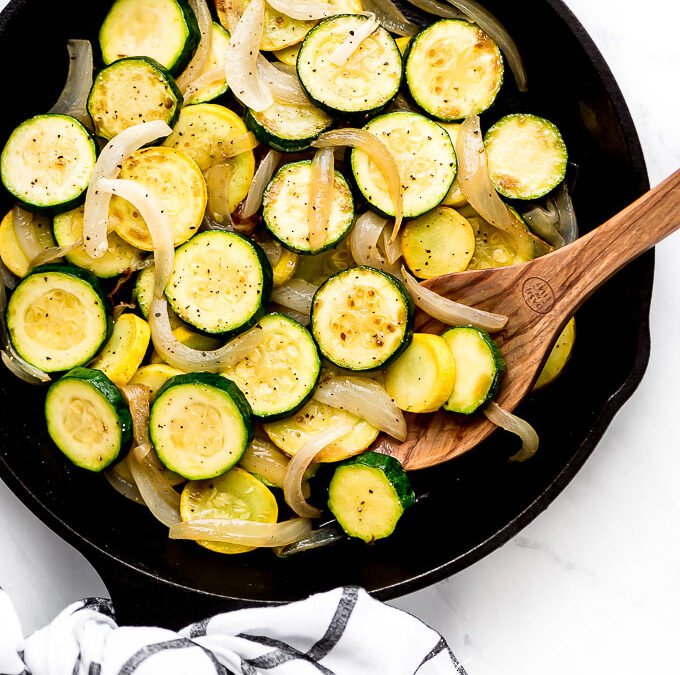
x=539, y=297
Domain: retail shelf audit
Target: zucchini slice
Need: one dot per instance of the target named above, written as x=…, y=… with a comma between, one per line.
x=153, y=377
x=454, y=69
x=285, y=268
x=216, y=59
x=479, y=368
x=131, y=91
x=288, y=127
x=87, y=418
x=440, y=242
x=202, y=132
x=57, y=317
x=120, y=256
x=284, y=208
x=368, y=495
x=455, y=196
x=143, y=294
x=362, y=319
x=291, y=433
x=237, y=494
x=279, y=376
x=421, y=380
x=11, y=252
x=164, y=30
x=125, y=350
x=366, y=83
x=200, y=425
x=527, y=156
x=47, y=162
x=425, y=159
x=178, y=184
x=221, y=282
x=559, y=356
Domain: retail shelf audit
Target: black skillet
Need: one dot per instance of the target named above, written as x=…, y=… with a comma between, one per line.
x=476, y=503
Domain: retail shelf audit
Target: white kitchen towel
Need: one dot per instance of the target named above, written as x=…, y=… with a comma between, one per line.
x=341, y=632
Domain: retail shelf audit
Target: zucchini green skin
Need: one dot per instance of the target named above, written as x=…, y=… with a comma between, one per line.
x=407, y=337
x=351, y=114
x=163, y=74
x=265, y=295
x=285, y=145
x=110, y=392
x=52, y=209
x=192, y=39
x=347, y=511
x=498, y=360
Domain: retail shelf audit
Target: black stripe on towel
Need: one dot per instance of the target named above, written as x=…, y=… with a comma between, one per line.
x=440, y=647
x=281, y=653
x=338, y=623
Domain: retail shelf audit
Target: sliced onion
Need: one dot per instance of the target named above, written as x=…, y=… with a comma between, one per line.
x=320, y=200
x=156, y=220
x=137, y=397
x=158, y=495
x=366, y=399
x=73, y=98
x=515, y=425
x=96, y=215
x=436, y=8
x=568, y=225
x=123, y=487
x=120, y=309
x=300, y=317
x=400, y=102
x=241, y=59
x=262, y=458
x=304, y=10
x=449, y=312
x=55, y=252
x=179, y=356
x=272, y=249
x=390, y=17
x=292, y=485
x=24, y=228
x=368, y=233
x=543, y=223
x=218, y=181
x=200, y=57
x=378, y=154
x=205, y=80
x=392, y=248
x=473, y=177
x=22, y=369
x=342, y=53
x=260, y=181
x=497, y=32
x=244, y=532
x=324, y=536
x=283, y=84
x=295, y=294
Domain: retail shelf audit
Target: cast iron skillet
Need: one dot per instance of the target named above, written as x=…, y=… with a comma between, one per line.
x=476, y=503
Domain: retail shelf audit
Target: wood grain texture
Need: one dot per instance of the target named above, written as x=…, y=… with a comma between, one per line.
x=539, y=297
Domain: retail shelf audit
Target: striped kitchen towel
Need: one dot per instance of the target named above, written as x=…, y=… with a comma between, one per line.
x=341, y=632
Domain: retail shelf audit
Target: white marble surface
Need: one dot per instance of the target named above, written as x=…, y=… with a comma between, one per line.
x=592, y=586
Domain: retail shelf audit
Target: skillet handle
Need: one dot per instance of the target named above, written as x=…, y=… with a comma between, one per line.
x=144, y=600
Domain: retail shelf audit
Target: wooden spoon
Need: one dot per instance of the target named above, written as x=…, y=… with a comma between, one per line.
x=539, y=297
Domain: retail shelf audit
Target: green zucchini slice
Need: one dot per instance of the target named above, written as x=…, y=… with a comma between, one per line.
x=57, y=317
x=425, y=159
x=131, y=91
x=284, y=208
x=366, y=83
x=288, y=127
x=362, y=319
x=87, y=418
x=279, y=376
x=221, y=282
x=479, y=368
x=216, y=59
x=47, y=162
x=164, y=30
x=120, y=256
x=454, y=69
x=527, y=156
x=200, y=425
x=368, y=495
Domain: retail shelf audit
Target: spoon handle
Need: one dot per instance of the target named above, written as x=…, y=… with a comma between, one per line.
x=576, y=271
